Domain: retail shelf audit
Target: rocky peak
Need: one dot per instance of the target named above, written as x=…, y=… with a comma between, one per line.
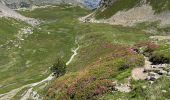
x=106, y=3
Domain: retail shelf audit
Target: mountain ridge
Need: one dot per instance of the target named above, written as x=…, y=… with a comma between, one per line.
x=14, y=4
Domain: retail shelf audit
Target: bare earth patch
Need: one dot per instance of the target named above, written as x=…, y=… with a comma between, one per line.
x=138, y=73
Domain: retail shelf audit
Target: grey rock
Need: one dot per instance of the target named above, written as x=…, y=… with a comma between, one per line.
x=168, y=74
x=164, y=91
x=162, y=72
x=152, y=74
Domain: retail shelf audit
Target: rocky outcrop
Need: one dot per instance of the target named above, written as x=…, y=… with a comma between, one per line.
x=91, y=3
x=106, y=3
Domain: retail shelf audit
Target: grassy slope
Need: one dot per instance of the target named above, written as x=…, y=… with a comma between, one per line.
x=40, y=49
x=104, y=52
x=93, y=63
x=92, y=39
x=8, y=30
x=100, y=34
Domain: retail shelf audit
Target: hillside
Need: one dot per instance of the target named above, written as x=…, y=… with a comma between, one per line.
x=67, y=56
x=7, y=12
x=132, y=12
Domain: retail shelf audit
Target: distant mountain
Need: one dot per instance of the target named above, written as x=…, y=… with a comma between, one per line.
x=92, y=4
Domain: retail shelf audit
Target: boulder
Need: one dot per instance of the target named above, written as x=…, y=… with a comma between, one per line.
x=162, y=72
x=168, y=74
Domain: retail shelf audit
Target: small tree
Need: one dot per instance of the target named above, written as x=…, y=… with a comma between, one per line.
x=59, y=67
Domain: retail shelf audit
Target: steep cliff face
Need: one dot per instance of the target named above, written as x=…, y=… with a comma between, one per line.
x=28, y=3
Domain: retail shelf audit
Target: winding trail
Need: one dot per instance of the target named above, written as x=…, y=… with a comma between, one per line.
x=12, y=93
x=74, y=54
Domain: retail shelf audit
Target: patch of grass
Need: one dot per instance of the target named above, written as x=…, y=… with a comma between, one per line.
x=56, y=13
x=8, y=29
x=159, y=5
x=153, y=28
x=161, y=55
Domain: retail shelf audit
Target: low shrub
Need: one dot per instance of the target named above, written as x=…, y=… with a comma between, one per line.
x=160, y=57
x=146, y=47
x=59, y=67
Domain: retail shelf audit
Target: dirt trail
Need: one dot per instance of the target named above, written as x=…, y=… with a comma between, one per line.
x=7, y=12
x=74, y=54
x=11, y=94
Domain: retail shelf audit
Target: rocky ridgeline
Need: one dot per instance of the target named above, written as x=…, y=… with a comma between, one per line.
x=106, y=3
x=14, y=4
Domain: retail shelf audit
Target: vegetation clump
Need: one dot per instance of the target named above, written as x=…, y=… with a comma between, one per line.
x=160, y=55
x=159, y=5
x=145, y=48
x=59, y=67
x=157, y=54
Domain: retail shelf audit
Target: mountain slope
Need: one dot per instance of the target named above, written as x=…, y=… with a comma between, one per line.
x=131, y=12
x=65, y=59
